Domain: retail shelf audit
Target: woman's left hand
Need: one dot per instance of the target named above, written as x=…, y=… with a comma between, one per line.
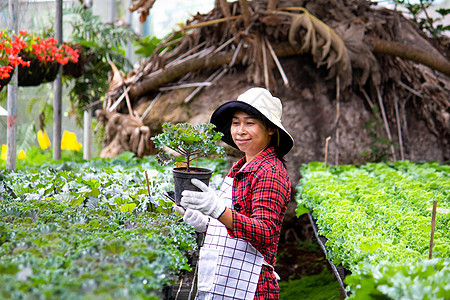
x=205, y=201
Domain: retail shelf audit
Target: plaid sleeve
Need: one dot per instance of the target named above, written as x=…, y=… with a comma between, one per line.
x=269, y=194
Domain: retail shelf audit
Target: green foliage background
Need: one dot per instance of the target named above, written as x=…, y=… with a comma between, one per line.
x=81, y=229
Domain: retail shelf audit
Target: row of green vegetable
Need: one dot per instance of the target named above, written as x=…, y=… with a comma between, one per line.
x=90, y=230
x=377, y=222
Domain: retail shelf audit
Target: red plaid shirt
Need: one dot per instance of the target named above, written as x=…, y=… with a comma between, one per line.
x=261, y=192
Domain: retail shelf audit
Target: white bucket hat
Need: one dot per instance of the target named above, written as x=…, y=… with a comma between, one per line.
x=260, y=103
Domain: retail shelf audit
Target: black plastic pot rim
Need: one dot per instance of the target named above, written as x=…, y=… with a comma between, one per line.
x=192, y=170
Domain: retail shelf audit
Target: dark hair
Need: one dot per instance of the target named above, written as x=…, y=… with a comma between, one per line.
x=275, y=142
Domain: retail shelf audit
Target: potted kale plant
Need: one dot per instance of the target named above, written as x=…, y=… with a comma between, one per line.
x=190, y=142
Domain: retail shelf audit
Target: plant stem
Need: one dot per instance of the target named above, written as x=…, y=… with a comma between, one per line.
x=148, y=189
x=181, y=151
x=188, y=163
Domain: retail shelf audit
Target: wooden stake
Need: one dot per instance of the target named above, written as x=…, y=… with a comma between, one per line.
x=433, y=224
x=148, y=189
x=130, y=108
x=224, y=45
x=266, y=68
x=363, y=91
x=122, y=82
x=92, y=104
x=193, y=50
x=326, y=151
x=410, y=89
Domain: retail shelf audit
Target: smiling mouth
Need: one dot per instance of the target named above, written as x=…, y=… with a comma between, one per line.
x=241, y=141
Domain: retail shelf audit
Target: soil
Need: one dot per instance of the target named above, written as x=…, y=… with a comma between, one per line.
x=299, y=254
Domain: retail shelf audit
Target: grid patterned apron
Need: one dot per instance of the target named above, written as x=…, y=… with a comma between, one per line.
x=228, y=268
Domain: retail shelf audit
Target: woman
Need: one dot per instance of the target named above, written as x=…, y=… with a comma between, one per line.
x=242, y=236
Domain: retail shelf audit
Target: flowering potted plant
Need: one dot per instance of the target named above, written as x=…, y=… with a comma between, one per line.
x=191, y=142
x=38, y=59
x=9, y=55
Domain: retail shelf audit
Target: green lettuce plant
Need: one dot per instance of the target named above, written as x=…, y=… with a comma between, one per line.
x=377, y=221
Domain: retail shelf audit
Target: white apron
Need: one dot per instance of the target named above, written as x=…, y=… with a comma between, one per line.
x=228, y=268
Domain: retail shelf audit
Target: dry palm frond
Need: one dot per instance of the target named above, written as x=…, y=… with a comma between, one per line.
x=320, y=40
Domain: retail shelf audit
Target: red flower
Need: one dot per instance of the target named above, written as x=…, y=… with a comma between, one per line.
x=12, y=47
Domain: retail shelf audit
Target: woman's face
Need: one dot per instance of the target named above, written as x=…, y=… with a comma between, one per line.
x=249, y=134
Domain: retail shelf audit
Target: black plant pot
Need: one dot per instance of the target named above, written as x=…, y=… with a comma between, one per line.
x=182, y=180
x=38, y=72
x=75, y=70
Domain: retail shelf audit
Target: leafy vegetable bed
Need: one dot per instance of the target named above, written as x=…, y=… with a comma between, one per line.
x=87, y=230
x=377, y=220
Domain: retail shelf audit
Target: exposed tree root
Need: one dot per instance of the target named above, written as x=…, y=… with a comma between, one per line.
x=436, y=62
x=152, y=81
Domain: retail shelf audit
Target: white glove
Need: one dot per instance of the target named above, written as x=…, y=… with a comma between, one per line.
x=179, y=210
x=206, y=201
x=196, y=219
x=193, y=217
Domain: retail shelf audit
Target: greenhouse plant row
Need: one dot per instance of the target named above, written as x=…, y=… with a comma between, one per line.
x=93, y=229
x=90, y=230
x=376, y=219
